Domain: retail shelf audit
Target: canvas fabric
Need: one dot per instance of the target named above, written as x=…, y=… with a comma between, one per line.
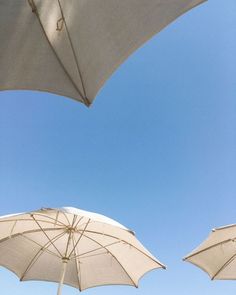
x=216, y=255
x=71, y=47
x=99, y=250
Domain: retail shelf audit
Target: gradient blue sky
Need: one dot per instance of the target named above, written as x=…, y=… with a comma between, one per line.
x=156, y=151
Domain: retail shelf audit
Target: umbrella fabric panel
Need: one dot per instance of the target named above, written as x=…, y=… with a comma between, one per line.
x=216, y=255
x=106, y=270
x=17, y=253
x=217, y=236
x=54, y=241
x=26, y=58
x=11, y=226
x=108, y=31
x=49, y=268
x=89, y=249
x=214, y=258
x=104, y=233
x=228, y=271
x=51, y=19
x=71, y=47
x=141, y=263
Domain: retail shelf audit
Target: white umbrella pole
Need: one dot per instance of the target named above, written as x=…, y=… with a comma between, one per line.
x=63, y=272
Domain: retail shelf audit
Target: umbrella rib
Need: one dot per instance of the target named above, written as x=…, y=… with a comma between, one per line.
x=103, y=234
x=27, y=232
x=66, y=217
x=29, y=239
x=132, y=280
x=69, y=237
x=28, y=219
x=74, y=54
x=77, y=264
x=13, y=227
x=78, y=221
x=81, y=235
x=35, y=11
x=91, y=251
x=53, y=219
x=207, y=248
x=46, y=234
x=224, y=265
x=92, y=255
x=39, y=253
x=56, y=219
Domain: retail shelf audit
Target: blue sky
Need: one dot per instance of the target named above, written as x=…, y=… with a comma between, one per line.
x=156, y=151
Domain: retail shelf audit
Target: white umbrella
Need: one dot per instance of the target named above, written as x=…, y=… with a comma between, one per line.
x=73, y=247
x=217, y=254
x=71, y=47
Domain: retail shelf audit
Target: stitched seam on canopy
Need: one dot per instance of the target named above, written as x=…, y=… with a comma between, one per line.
x=35, y=11
x=87, y=102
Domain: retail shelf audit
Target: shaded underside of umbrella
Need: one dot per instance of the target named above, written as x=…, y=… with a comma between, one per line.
x=72, y=246
x=71, y=47
x=217, y=254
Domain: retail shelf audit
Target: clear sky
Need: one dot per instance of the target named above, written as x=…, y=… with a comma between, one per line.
x=156, y=151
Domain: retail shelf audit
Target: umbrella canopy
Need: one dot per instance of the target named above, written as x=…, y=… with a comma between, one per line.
x=216, y=255
x=72, y=246
x=71, y=47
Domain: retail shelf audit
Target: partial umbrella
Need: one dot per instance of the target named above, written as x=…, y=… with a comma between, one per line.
x=74, y=247
x=217, y=254
x=71, y=47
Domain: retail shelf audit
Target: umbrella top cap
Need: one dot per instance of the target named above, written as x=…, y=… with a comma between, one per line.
x=91, y=215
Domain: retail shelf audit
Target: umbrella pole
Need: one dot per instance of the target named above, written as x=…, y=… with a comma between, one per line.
x=63, y=272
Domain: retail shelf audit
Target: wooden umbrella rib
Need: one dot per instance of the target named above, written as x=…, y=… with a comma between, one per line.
x=56, y=219
x=27, y=232
x=29, y=219
x=93, y=255
x=78, y=222
x=82, y=255
x=48, y=217
x=12, y=229
x=77, y=264
x=224, y=266
x=66, y=218
x=207, y=248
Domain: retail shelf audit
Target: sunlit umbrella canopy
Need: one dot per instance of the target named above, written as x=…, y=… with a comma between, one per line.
x=217, y=254
x=72, y=246
x=71, y=47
